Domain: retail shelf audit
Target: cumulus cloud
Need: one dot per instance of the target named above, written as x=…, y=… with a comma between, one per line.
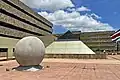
x=50, y=5
x=71, y=9
x=82, y=8
x=74, y=21
x=96, y=16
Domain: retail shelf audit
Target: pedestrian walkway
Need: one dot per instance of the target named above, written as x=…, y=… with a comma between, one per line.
x=65, y=69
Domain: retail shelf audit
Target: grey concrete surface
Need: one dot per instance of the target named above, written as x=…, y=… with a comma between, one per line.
x=29, y=51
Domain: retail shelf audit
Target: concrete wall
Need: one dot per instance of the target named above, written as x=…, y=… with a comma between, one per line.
x=98, y=41
x=13, y=33
x=8, y=43
x=31, y=12
x=20, y=14
x=77, y=56
x=17, y=21
x=19, y=24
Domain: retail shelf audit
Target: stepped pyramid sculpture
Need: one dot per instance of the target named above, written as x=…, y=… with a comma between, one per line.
x=68, y=43
x=68, y=47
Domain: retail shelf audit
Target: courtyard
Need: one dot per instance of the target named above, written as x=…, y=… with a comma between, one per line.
x=66, y=69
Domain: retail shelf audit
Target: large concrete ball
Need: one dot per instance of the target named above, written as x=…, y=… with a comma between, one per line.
x=29, y=51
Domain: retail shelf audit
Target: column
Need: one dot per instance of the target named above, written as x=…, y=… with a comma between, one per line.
x=10, y=53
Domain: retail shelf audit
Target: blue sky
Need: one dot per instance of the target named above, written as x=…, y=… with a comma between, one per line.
x=107, y=9
x=79, y=15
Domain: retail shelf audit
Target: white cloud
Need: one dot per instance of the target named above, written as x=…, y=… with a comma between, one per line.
x=74, y=21
x=50, y=5
x=96, y=16
x=71, y=9
x=71, y=21
x=82, y=8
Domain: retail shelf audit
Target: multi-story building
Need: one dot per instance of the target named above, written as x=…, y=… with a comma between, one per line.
x=99, y=41
x=17, y=21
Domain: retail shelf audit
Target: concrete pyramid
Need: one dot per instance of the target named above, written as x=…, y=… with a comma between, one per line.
x=68, y=47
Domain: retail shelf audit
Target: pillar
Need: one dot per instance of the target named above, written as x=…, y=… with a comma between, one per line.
x=10, y=53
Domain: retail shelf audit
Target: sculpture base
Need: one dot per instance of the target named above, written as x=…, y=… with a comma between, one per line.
x=28, y=68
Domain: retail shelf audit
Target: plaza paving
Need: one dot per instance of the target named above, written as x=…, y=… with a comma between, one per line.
x=66, y=69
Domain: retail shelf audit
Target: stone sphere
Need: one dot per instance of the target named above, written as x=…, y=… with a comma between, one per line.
x=29, y=51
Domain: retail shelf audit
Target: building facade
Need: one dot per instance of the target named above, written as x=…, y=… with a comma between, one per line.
x=17, y=21
x=99, y=41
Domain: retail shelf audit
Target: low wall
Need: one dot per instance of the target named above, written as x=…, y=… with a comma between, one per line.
x=77, y=56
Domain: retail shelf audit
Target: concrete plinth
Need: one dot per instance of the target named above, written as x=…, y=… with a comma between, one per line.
x=28, y=68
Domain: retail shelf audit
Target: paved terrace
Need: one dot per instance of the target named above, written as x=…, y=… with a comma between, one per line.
x=65, y=69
